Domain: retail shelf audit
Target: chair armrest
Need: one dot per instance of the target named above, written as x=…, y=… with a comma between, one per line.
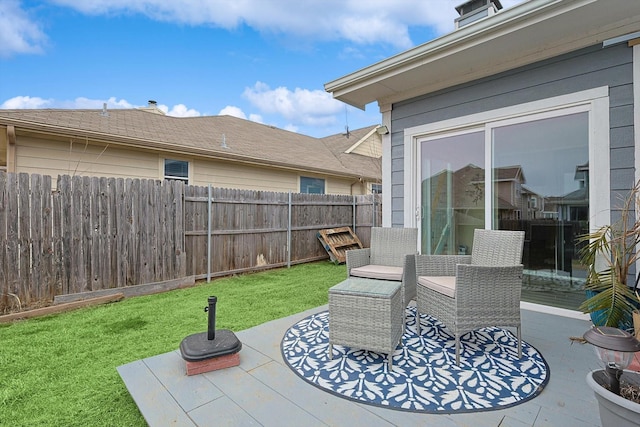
x=439, y=265
x=489, y=286
x=357, y=258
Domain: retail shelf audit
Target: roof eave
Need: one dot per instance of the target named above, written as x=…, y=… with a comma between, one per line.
x=374, y=83
x=137, y=143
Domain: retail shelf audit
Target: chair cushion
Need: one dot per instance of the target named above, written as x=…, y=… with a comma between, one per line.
x=446, y=285
x=381, y=272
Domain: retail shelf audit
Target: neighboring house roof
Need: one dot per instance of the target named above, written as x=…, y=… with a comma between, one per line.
x=510, y=173
x=342, y=148
x=220, y=137
x=579, y=197
x=531, y=31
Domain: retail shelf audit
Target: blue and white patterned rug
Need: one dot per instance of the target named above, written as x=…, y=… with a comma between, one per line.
x=424, y=377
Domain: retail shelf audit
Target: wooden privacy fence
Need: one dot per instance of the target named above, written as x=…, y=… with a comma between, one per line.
x=94, y=234
x=250, y=230
x=90, y=234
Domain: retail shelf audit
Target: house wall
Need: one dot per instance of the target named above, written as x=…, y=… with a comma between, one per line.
x=370, y=147
x=580, y=70
x=243, y=177
x=75, y=157
x=35, y=155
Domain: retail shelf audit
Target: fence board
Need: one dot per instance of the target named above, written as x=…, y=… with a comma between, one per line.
x=24, y=238
x=4, y=284
x=134, y=240
x=35, y=237
x=78, y=273
x=46, y=263
x=66, y=238
x=111, y=267
x=94, y=229
x=178, y=210
x=12, y=266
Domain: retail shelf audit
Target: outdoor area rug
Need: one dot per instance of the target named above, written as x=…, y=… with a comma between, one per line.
x=424, y=377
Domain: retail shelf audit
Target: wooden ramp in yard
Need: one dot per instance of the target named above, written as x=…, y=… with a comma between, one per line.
x=336, y=241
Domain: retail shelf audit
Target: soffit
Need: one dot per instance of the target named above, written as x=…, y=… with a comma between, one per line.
x=526, y=33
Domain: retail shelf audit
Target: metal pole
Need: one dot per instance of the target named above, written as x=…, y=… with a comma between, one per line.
x=211, y=325
x=209, y=236
x=289, y=234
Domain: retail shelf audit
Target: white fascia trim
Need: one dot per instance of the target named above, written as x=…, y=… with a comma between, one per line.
x=480, y=32
x=547, y=104
x=555, y=311
x=360, y=141
x=636, y=108
x=386, y=170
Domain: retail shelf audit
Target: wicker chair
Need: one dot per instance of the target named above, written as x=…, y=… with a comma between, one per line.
x=467, y=292
x=389, y=257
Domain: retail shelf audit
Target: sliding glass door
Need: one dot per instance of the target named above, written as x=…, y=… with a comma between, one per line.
x=537, y=181
x=452, y=191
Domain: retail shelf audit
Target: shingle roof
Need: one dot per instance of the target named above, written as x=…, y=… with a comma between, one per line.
x=339, y=144
x=244, y=140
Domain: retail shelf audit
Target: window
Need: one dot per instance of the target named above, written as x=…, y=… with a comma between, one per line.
x=376, y=188
x=176, y=169
x=311, y=185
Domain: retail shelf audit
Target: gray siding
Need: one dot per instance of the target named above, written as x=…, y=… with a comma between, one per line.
x=580, y=70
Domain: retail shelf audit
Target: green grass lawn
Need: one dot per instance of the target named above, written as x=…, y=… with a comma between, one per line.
x=60, y=370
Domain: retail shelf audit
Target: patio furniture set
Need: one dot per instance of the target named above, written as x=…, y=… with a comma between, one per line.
x=465, y=292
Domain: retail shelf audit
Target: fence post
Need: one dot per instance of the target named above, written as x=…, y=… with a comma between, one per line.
x=289, y=234
x=354, y=212
x=209, y=235
x=374, y=212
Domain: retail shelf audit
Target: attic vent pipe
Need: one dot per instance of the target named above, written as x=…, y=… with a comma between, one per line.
x=152, y=103
x=473, y=10
x=104, y=112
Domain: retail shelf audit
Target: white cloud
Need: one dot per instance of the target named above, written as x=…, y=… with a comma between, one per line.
x=357, y=21
x=179, y=110
x=19, y=33
x=87, y=103
x=360, y=22
x=256, y=118
x=18, y=102
x=231, y=110
x=291, y=128
x=300, y=106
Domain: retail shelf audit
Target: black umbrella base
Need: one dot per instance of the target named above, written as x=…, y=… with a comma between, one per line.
x=204, y=355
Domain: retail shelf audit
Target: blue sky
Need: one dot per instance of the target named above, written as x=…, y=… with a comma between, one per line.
x=263, y=60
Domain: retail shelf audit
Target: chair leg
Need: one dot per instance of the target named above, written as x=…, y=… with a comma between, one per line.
x=457, y=350
x=330, y=351
x=417, y=320
x=519, y=333
x=390, y=362
x=404, y=321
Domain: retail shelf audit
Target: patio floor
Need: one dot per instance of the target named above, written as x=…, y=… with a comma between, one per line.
x=263, y=391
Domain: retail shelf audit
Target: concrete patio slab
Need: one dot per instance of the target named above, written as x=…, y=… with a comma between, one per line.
x=263, y=391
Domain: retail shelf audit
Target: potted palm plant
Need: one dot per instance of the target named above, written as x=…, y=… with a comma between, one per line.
x=609, y=254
